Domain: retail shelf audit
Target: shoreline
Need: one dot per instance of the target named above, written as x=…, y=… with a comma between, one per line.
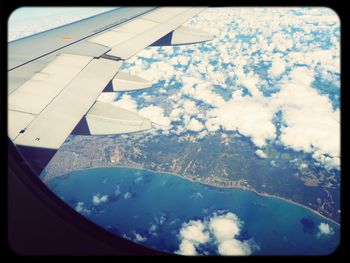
x=212, y=185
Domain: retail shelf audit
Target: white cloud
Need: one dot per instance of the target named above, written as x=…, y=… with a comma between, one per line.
x=311, y=124
x=212, y=125
x=187, y=248
x=81, y=208
x=278, y=66
x=301, y=76
x=157, y=116
x=162, y=218
x=303, y=166
x=146, y=53
x=225, y=226
x=324, y=230
x=201, y=90
x=127, y=102
x=98, y=199
x=139, y=238
x=251, y=117
x=153, y=230
x=330, y=162
x=162, y=91
x=251, y=81
x=156, y=71
x=190, y=107
x=195, y=125
x=127, y=195
x=194, y=231
x=239, y=56
x=233, y=247
x=179, y=60
x=329, y=60
x=218, y=230
x=261, y=153
x=308, y=116
x=176, y=114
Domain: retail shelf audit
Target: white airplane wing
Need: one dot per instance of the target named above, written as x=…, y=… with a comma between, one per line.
x=55, y=77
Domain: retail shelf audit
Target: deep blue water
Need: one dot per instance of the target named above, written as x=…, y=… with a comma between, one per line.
x=155, y=205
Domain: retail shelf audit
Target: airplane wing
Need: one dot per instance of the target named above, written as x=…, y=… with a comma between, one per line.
x=55, y=77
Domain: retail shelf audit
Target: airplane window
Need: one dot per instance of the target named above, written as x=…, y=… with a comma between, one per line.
x=191, y=131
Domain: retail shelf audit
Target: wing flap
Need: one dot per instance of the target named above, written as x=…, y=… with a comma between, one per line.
x=106, y=118
x=127, y=82
x=186, y=35
x=35, y=94
x=58, y=119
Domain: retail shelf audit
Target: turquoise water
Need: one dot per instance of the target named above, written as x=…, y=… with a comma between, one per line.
x=154, y=207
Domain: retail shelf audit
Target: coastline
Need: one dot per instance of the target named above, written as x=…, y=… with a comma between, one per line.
x=212, y=185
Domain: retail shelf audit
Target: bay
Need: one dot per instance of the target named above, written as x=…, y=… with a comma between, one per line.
x=151, y=208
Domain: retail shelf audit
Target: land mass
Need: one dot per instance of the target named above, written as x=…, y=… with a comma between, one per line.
x=226, y=160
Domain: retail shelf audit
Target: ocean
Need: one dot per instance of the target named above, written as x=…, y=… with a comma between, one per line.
x=151, y=208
